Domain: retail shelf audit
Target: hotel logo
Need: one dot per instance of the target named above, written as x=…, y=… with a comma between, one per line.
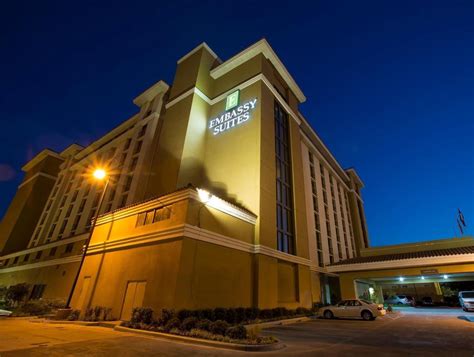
x=234, y=115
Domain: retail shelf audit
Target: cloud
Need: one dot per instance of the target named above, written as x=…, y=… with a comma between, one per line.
x=7, y=173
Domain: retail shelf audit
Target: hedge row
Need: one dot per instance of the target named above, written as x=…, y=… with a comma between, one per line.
x=232, y=316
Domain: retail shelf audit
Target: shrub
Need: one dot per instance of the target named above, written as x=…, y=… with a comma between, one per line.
x=35, y=307
x=56, y=303
x=240, y=315
x=303, y=311
x=189, y=323
x=17, y=293
x=219, y=327
x=166, y=315
x=89, y=314
x=203, y=324
x=184, y=314
x=230, y=315
x=173, y=323
x=266, y=314
x=206, y=314
x=98, y=310
x=142, y=315
x=74, y=315
x=238, y=332
x=251, y=313
x=219, y=313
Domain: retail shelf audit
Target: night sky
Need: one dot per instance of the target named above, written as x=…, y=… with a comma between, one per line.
x=390, y=87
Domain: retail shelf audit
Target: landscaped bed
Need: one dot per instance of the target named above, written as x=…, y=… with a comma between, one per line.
x=220, y=324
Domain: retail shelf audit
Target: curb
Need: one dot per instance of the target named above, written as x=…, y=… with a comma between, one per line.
x=270, y=324
x=110, y=324
x=202, y=342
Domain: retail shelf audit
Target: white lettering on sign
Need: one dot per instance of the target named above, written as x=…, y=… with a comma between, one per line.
x=233, y=117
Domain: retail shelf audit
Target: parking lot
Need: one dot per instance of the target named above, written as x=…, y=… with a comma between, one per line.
x=410, y=332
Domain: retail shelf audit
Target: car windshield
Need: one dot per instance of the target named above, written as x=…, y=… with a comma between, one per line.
x=468, y=294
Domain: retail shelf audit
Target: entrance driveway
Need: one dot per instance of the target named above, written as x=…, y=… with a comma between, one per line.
x=394, y=335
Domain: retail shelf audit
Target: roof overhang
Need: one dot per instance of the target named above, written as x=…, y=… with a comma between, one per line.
x=150, y=93
x=264, y=48
x=40, y=157
x=403, y=263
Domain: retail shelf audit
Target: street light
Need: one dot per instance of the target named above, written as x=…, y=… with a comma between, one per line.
x=99, y=174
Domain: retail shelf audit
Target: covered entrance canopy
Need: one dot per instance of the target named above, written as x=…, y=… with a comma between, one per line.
x=434, y=270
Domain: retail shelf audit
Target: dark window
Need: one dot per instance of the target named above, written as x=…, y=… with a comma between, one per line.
x=68, y=212
x=285, y=228
x=133, y=164
x=128, y=183
x=83, y=204
x=38, y=255
x=37, y=291
x=138, y=147
x=76, y=222
x=51, y=231
x=26, y=258
x=74, y=196
x=52, y=252
x=69, y=248
x=15, y=260
x=5, y=262
x=127, y=144
x=123, y=202
x=142, y=131
x=63, y=227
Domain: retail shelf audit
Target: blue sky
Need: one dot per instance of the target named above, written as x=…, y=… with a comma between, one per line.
x=390, y=87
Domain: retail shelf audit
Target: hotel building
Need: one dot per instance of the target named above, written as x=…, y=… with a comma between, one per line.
x=220, y=193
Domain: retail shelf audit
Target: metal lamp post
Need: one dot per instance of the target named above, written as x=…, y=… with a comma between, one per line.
x=98, y=174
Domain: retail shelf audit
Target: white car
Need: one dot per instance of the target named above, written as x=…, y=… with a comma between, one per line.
x=5, y=312
x=397, y=300
x=353, y=308
x=466, y=299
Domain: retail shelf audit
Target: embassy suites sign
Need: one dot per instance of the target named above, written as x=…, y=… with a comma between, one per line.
x=234, y=115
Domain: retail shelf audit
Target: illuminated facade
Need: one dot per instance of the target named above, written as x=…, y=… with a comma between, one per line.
x=220, y=194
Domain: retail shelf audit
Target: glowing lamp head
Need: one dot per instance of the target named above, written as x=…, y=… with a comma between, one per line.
x=445, y=276
x=99, y=174
x=401, y=278
x=422, y=278
x=371, y=290
x=204, y=195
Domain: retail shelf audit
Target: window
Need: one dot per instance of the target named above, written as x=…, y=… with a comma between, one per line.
x=317, y=222
x=69, y=248
x=63, y=227
x=284, y=209
x=83, y=204
x=5, y=263
x=37, y=291
x=142, y=131
x=38, y=255
x=133, y=164
x=128, y=183
x=74, y=196
x=127, y=144
x=51, y=231
x=123, y=202
x=68, y=212
x=138, y=147
x=52, y=252
x=153, y=216
x=76, y=222
x=26, y=258
x=15, y=260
